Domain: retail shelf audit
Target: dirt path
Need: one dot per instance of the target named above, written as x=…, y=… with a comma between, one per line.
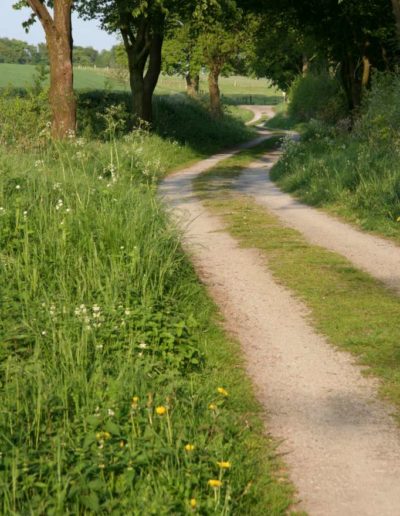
x=377, y=256
x=259, y=112
x=341, y=445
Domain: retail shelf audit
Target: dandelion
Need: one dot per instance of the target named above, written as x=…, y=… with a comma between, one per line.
x=161, y=411
x=122, y=444
x=222, y=391
x=224, y=464
x=212, y=406
x=193, y=503
x=103, y=436
x=189, y=447
x=134, y=402
x=214, y=483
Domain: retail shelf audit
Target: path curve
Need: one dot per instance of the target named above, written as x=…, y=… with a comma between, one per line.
x=377, y=256
x=259, y=112
x=340, y=442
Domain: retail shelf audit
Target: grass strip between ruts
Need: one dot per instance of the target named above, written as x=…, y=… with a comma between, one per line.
x=355, y=312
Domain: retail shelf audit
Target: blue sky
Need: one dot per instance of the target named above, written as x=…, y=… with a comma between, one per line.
x=85, y=33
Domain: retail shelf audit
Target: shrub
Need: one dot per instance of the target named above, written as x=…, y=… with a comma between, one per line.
x=317, y=95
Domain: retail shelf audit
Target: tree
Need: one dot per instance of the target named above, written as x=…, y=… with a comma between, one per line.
x=58, y=31
x=223, y=46
x=142, y=25
x=182, y=55
x=353, y=36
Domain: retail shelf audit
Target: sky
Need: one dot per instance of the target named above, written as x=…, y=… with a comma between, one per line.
x=86, y=34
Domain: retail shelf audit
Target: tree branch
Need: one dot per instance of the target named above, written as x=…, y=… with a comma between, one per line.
x=42, y=13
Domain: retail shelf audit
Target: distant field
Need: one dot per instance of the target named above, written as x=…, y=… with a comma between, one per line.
x=235, y=89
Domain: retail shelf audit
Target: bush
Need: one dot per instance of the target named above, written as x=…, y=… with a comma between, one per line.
x=317, y=95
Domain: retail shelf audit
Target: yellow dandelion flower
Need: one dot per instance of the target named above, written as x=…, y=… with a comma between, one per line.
x=189, y=447
x=214, y=483
x=193, y=503
x=222, y=391
x=161, y=411
x=212, y=406
x=103, y=436
x=224, y=464
x=122, y=444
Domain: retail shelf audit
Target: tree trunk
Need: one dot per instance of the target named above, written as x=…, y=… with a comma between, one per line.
x=58, y=33
x=215, y=94
x=351, y=83
x=396, y=12
x=192, y=85
x=140, y=50
x=366, y=72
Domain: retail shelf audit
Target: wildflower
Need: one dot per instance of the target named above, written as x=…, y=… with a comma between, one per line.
x=127, y=311
x=398, y=219
x=193, y=503
x=224, y=464
x=122, y=444
x=161, y=411
x=134, y=402
x=214, y=483
x=222, y=391
x=142, y=345
x=18, y=187
x=102, y=466
x=59, y=204
x=2, y=210
x=103, y=436
x=189, y=447
x=39, y=163
x=44, y=333
x=99, y=347
x=212, y=406
x=111, y=413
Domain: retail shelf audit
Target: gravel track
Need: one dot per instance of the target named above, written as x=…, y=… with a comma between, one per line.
x=340, y=442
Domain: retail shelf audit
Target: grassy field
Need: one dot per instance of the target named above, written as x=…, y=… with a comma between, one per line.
x=353, y=310
x=235, y=89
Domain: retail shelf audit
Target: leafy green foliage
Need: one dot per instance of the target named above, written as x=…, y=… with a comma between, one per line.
x=317, y=95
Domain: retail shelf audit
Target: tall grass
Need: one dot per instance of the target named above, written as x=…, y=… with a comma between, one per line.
x=118, y=392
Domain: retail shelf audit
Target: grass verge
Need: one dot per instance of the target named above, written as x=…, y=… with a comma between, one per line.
x=119, y=392
x=353, y=310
